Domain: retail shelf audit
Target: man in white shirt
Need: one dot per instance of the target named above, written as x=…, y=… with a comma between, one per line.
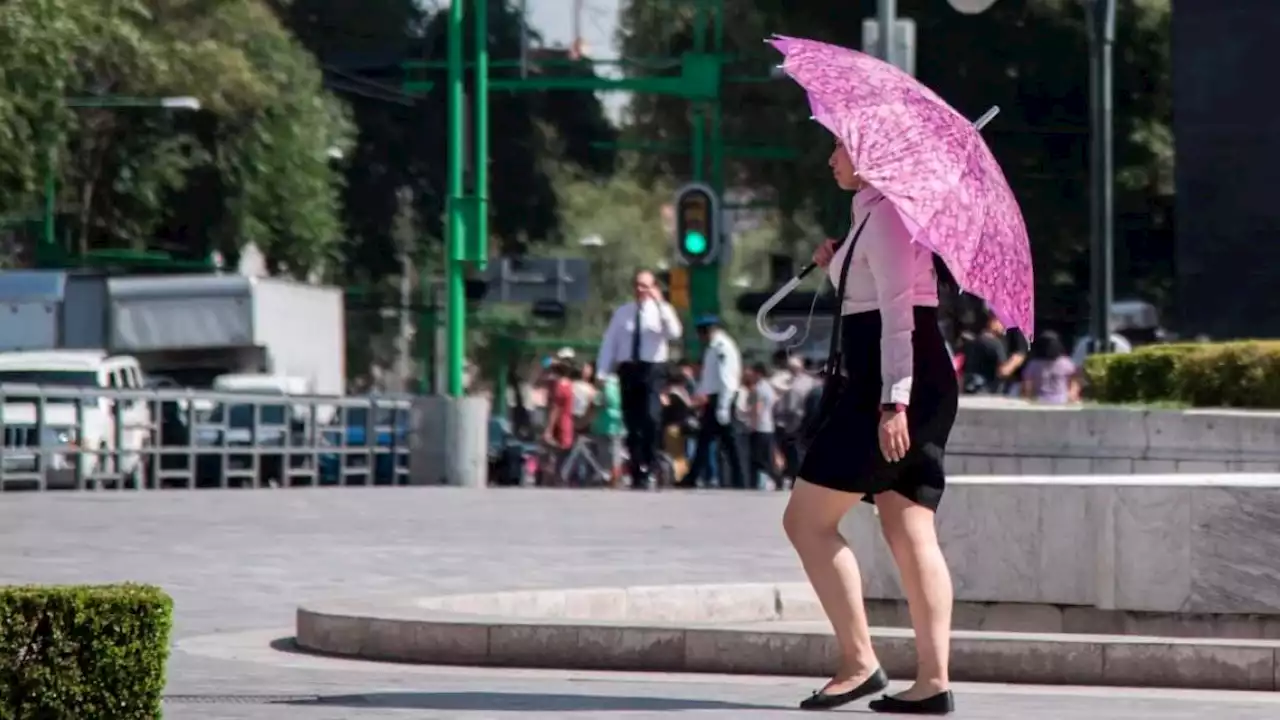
x=636, y=347
x=717, y=392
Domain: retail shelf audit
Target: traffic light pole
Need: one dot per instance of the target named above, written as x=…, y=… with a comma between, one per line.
x=467, y=215
x=457, y=232
x=1102, y=32
x=704, y=280
x=468, y=220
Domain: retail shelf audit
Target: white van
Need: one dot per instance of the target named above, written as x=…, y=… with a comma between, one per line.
x=86, y=370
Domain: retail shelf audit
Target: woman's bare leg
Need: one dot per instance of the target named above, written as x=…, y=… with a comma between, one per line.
x=812, y=521
x=913, y=540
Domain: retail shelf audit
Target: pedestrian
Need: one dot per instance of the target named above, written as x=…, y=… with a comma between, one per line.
x=677, y=417
x=584, y=394
x=883, y=443
x=635, y=345
x=1050, y=376
x=791, y=414
x=559, y=432
x=762, y=399
x=993, y=359
x=607, y=427
x=717, y=396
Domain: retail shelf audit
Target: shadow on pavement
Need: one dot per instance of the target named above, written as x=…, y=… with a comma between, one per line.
x=503, y=701
x=516, y=701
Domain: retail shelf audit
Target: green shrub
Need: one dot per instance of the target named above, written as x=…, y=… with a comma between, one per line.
x=83, y=652
x=1243, y=374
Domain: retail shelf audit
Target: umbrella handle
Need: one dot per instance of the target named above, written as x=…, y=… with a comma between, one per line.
x=780, y=336
x=762, y=322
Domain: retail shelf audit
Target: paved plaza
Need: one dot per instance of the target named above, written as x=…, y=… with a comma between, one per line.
x=238, y=563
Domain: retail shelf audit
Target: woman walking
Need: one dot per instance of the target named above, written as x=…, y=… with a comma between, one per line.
x=883, y=443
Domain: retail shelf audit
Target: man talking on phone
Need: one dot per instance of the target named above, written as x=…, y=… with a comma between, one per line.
x=636, y=346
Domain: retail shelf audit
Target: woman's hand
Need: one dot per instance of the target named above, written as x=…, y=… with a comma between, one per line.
x=895, y=438
x=822, y=256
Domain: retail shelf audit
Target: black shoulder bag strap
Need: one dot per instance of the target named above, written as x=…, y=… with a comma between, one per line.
x=835, y=354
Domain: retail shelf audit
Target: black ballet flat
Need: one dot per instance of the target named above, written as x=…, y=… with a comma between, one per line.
x=944, y=703
x=827, y=701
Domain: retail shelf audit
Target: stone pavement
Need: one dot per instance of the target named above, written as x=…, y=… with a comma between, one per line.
x=238, y=561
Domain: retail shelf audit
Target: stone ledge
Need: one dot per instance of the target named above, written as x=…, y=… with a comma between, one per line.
x=753, y=637
x=1008, y=437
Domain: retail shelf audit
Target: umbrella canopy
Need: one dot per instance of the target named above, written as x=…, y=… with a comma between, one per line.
x=930, y=162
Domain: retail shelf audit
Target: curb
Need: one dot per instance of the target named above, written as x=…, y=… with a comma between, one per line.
x=558, y=631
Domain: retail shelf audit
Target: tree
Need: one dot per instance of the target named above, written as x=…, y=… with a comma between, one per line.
x=626, y=216
x=253, y=166
x=1028, y=57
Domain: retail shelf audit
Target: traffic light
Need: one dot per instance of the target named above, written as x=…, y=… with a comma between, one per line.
x=697, y=211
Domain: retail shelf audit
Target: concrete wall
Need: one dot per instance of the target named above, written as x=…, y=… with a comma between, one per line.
x=993, y=436
x=998, y=437
x=450, y=441
x=1171, y=543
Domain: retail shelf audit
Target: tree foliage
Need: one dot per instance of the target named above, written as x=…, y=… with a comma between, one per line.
x=1030, y=58
x=251, y=166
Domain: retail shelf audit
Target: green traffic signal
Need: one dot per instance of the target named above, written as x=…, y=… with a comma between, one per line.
x=697, y=218
x=695, y=243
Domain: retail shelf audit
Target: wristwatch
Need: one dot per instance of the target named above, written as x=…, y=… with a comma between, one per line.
x=893, y=407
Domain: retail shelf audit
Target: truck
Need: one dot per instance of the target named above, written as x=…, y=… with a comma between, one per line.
x=189, y=328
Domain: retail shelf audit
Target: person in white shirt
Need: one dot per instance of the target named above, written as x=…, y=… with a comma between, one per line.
x=762, y=400
x=883, y=441
x=636, y=347
x=717, y=393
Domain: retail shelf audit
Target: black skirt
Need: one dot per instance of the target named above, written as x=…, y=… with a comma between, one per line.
x=846, y=455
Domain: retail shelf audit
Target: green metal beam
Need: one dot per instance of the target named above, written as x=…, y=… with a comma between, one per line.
x=651, y=63
x=675, y=86
x=417, y=87
x=751, y=152
x=661, y=86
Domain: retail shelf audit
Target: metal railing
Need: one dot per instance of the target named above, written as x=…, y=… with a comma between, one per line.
x=58, y=437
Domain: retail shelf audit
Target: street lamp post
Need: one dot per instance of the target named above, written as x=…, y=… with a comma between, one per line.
x=1101, y=16
x=183, y=102
x=887, y=19
x=1102, y=36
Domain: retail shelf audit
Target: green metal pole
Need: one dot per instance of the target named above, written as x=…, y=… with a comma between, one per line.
x=457, y=234
x=700, y=26
x=481, y=254
x=717, y=116
x=697, y=143
x=704, y=280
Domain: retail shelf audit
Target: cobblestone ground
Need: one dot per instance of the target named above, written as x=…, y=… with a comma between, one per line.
x=243, y=561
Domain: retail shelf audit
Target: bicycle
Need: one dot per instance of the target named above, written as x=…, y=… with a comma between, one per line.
x=582, y=452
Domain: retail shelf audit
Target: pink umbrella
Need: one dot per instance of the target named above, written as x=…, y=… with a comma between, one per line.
x=930, y=162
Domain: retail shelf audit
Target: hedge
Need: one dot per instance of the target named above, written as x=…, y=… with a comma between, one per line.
x=1242, y=374
x=83, y=652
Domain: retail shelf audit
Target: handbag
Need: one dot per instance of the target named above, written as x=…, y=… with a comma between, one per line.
x=834, y=380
